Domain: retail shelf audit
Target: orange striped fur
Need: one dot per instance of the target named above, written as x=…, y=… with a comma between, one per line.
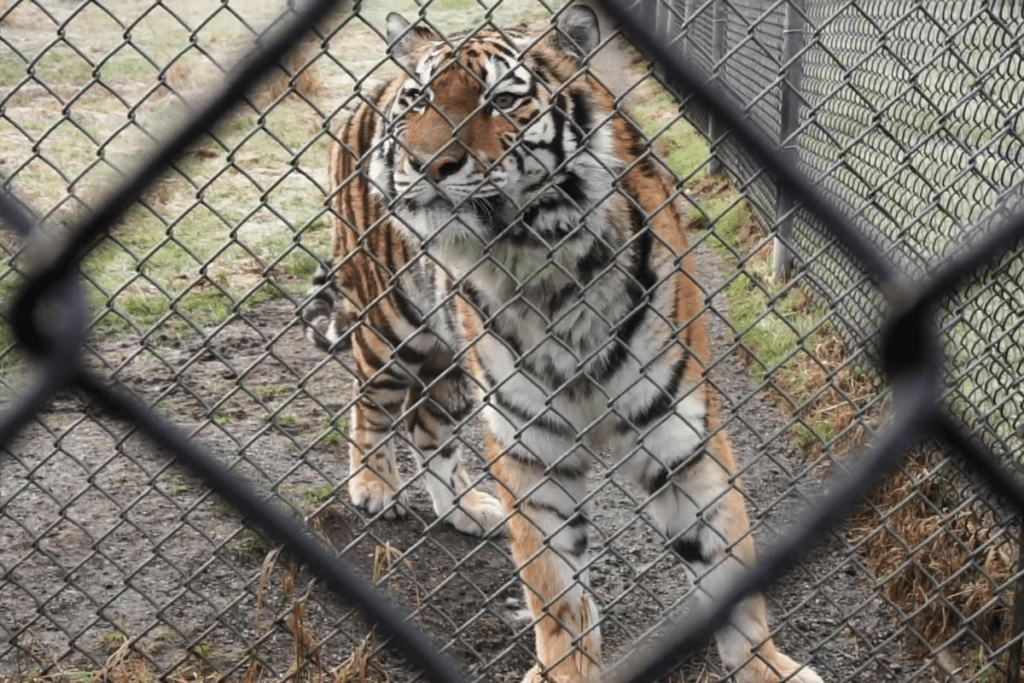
x=495, y=212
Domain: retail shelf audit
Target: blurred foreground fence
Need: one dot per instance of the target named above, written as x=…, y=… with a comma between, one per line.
x=161, y=397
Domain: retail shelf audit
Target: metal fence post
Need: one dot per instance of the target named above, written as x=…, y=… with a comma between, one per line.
x=792, y=64
x=715, y=129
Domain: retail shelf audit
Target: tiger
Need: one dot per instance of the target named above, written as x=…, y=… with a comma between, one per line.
x=504, y=238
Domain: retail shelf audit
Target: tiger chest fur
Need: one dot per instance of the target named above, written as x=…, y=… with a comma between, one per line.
x=493, y=206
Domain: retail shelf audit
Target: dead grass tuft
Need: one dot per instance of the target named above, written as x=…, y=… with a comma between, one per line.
x=125, y=666
x=357, y=669
x=838, y=390
x=944, y=561
x=297, y=73
x=364, y=663
x=193, y=75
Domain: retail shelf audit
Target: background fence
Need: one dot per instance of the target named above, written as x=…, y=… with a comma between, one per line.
x=116, y=561
x=908, y=116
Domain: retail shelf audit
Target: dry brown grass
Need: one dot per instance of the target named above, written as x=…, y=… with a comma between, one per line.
x=296, y=73
x=127, y=664
x=192, y=76
x=938, y=553
x=130, y=662
x=944, y=562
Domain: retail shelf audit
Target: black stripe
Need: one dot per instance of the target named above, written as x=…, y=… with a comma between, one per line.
x=568, y=471
x=653, y=484
x=526, y=459
x=382, y=381
x=408, y=310
x=548, y=424
x=369, y=357
x=557, y=146
x=656, y=482
x=581, y=112
x=690, y=550
x=638, y=292
x=431, y=434
x=542, y=67
x=572, y=186
x=513, y=342
x=434, y=409
x=475, y=298
x=558, y=470
x=551, y=376
x=598, y=256
x=642, y=255
x=505, y=50
x=664, y=402
x=579, y=387
x=544, y=507
x=637, y=146
x=558, y=299
x=408, y=354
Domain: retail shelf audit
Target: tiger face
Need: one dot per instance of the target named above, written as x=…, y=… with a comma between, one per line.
x=493, y=136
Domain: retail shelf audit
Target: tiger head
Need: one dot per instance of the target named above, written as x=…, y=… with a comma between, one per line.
x=494, y=134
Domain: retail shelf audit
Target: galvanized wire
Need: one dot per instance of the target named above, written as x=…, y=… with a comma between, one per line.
x=51, y=320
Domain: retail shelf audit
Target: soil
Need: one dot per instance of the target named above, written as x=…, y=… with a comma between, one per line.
x=102, y=537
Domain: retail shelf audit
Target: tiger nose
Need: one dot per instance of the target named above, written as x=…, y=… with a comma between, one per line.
x=447, y=163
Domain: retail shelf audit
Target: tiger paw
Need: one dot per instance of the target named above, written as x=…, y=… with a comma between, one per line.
x=778, y=668
x=564, y=673
x=477, y=514
x=806, y=675
x=534, y=675
x=371, y=492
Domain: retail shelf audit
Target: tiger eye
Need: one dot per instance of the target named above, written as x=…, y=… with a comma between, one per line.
x=504, y=100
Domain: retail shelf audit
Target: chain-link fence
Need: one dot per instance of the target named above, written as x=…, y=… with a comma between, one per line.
x=130, y=548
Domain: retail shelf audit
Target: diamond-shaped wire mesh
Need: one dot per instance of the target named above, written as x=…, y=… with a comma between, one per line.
x=117, y=562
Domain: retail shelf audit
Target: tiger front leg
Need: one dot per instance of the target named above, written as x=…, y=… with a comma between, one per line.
x=694, y=500
x=547, y=534
x=432, y=423
x=374, y=483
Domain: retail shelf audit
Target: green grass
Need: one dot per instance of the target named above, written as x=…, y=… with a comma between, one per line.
x=213, y=237
x=317, y=496
x=272, y=392
x=247, y=543
x=682, y=146
x=281, y=419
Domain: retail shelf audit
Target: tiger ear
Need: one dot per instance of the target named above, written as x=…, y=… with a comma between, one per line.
x=405, y=42
x=577, y=31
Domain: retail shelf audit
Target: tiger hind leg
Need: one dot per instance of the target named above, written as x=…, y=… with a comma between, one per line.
x=704, y=518
x=432, y=421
